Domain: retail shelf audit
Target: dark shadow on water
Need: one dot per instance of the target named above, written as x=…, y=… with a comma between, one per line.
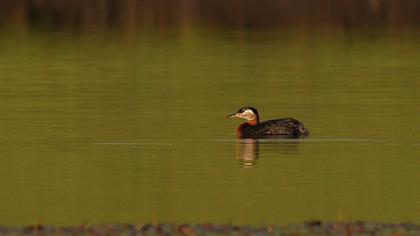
x=248, y=150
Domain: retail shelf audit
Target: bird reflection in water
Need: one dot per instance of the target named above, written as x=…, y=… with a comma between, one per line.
x=248, y=150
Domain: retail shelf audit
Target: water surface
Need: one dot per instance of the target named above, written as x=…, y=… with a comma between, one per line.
x=110, y=128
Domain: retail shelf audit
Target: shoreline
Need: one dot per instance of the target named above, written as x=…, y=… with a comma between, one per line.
x=305, y=229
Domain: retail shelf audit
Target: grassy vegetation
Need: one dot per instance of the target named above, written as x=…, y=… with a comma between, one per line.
x=131, y=15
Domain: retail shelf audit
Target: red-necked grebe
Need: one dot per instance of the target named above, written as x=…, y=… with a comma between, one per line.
x=287, y=127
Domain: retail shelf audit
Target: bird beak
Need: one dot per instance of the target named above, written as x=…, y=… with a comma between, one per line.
x=232, y=115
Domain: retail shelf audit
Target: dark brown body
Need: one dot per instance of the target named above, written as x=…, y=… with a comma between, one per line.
x=281, y=128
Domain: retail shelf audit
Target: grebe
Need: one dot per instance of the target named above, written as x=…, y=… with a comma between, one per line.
x=282, y=128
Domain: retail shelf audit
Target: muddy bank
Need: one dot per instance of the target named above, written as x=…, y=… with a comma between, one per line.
x=305, y=229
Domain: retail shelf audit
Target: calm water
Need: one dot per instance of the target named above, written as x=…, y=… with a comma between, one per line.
x=110, y=128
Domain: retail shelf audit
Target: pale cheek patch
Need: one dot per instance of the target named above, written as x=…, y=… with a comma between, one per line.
x=248, y=114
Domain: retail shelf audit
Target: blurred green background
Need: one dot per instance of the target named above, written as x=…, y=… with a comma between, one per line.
x=113, y=111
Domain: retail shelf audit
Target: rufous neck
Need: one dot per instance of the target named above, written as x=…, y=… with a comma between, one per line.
x=252, y=122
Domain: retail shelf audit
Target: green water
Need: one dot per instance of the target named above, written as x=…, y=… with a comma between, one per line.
x=116, y=128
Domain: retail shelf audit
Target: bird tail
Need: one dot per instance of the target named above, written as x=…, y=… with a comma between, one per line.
x=303, y=131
